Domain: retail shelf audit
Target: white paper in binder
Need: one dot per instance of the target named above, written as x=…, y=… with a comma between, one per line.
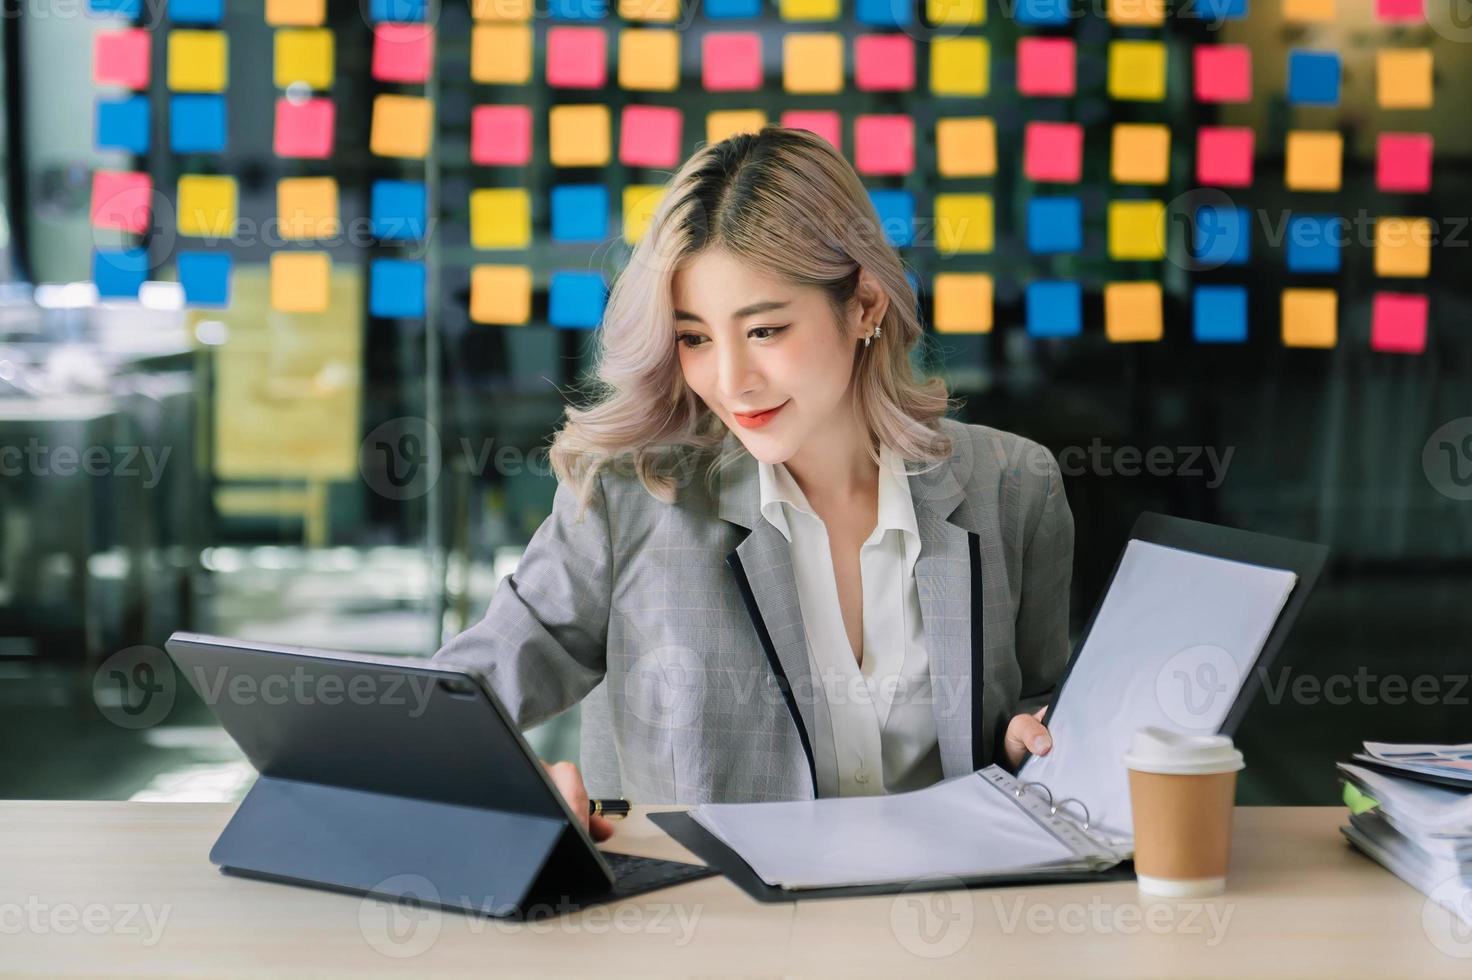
x=1171, y=645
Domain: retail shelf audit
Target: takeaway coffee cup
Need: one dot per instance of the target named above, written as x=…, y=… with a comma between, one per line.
x=1181, y=789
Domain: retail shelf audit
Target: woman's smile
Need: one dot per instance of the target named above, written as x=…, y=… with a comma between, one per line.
x=758, y=419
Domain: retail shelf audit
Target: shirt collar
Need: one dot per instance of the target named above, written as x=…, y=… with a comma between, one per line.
x=896, y=506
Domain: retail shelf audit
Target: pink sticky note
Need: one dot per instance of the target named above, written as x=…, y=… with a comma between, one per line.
x=577, y=57
x=650, y=136
x=501, y=135
x=304, y=129
x=121, y=200
x=1046, y=66
x=121, y=58
x=402, y=52
x=731, y=61
x=1403, y=162
x=1398, y=323
x=826, y=124
x=1398, y=10
x=884, y=63
x=1053, y=152
x=1224, y=156
x=884, y=145
x=1223, y=73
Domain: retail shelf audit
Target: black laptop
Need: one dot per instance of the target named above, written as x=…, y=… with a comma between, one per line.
x=398, y=778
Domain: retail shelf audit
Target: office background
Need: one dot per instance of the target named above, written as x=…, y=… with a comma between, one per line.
x=295, y=291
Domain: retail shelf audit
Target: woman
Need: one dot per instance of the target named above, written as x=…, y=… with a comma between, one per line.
x=740, y=580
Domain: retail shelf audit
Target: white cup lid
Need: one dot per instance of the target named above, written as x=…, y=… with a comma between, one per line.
x=1161, y=750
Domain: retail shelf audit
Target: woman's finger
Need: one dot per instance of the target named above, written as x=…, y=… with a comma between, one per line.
x=1030, y=733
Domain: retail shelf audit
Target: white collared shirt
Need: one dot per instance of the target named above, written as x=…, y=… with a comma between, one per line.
x=883, y=728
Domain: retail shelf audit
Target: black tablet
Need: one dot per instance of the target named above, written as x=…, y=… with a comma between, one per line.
x=399, y=778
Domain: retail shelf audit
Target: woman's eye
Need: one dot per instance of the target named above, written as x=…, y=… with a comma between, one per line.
x=766, y=332
x=690, y=339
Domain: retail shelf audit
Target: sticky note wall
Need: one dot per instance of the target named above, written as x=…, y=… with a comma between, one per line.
x=1031, y=166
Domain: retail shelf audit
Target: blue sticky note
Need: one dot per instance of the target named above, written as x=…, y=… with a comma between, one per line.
x=887, y=13
x=396, y=288
x=118, y=273
x=398, y=11
x=205, y=277
x=732, y=9
x=1219, y=314
x=122, y=124
x=398, y=210
x=197, y=123
x=196, y=11
x=1042, y=12
x=579, y=213
x=1215, y=9
x=576, y=299
x=1314, y=242
x=1055, y=225
x=125, y=8
x=577, y=9
x=896, y=211
x=1220, y=235
x=1055, y=308
x=1313, y=78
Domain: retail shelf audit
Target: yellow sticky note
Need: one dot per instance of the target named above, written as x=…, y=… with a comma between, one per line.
x=307, y=207
x=402, y=126
x=1140, y=153
x=960, y=66
x=1136, y=230
x=660, y=11
x=808, y=9
x=1137, y=70
x=812, y=64
x=295, y=13
x=500, y=217
x=649, y=60
x=966, y=146
x=500, y=294
x=207, y=206
x=1403, y=247
x=1132, y=312
x=1310, y=318
x=198, y=61
x=1403, y=78
x=640, y=203
x=1313, y=160
x=1137, y=13
x=1308, y=11
x=304, y=56
x=955, y=13
x=963, y=223
x=579, y=135
x=501, y=54
x=300, y=281
x=729, y=122
x=963, y=302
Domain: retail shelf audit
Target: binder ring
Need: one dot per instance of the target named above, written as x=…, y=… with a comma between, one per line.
x=1081, y=805
x=1022, y=786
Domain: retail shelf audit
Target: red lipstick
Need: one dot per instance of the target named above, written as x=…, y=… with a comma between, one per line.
x=758, y=419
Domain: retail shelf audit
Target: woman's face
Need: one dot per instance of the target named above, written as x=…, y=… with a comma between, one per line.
x=750, y=344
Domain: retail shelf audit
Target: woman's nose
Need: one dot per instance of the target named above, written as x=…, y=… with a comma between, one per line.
x=735, y=374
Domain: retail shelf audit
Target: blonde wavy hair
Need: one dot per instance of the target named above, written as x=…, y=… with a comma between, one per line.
x=786, y=202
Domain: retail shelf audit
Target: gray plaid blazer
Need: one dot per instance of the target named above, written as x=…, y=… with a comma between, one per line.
x=678, y=625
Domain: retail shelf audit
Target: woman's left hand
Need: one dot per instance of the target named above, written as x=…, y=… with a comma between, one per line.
x=1026, y=733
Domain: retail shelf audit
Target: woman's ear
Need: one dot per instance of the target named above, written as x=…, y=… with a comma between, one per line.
x=873, y=302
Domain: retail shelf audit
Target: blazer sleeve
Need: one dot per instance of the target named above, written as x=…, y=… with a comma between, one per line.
x=1042, y=637
x=542, y=644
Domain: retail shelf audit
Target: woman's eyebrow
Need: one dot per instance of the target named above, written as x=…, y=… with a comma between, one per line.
x=765, y=306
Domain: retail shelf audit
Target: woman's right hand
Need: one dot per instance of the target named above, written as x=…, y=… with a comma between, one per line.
x=569, y=782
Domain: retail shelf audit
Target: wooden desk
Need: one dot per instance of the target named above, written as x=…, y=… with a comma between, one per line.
x=80, y=880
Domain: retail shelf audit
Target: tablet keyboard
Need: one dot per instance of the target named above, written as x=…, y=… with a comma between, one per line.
x=635, y=875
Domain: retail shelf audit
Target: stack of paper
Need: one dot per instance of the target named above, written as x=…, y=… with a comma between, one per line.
x=1449, y=763
x=1420, y=830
